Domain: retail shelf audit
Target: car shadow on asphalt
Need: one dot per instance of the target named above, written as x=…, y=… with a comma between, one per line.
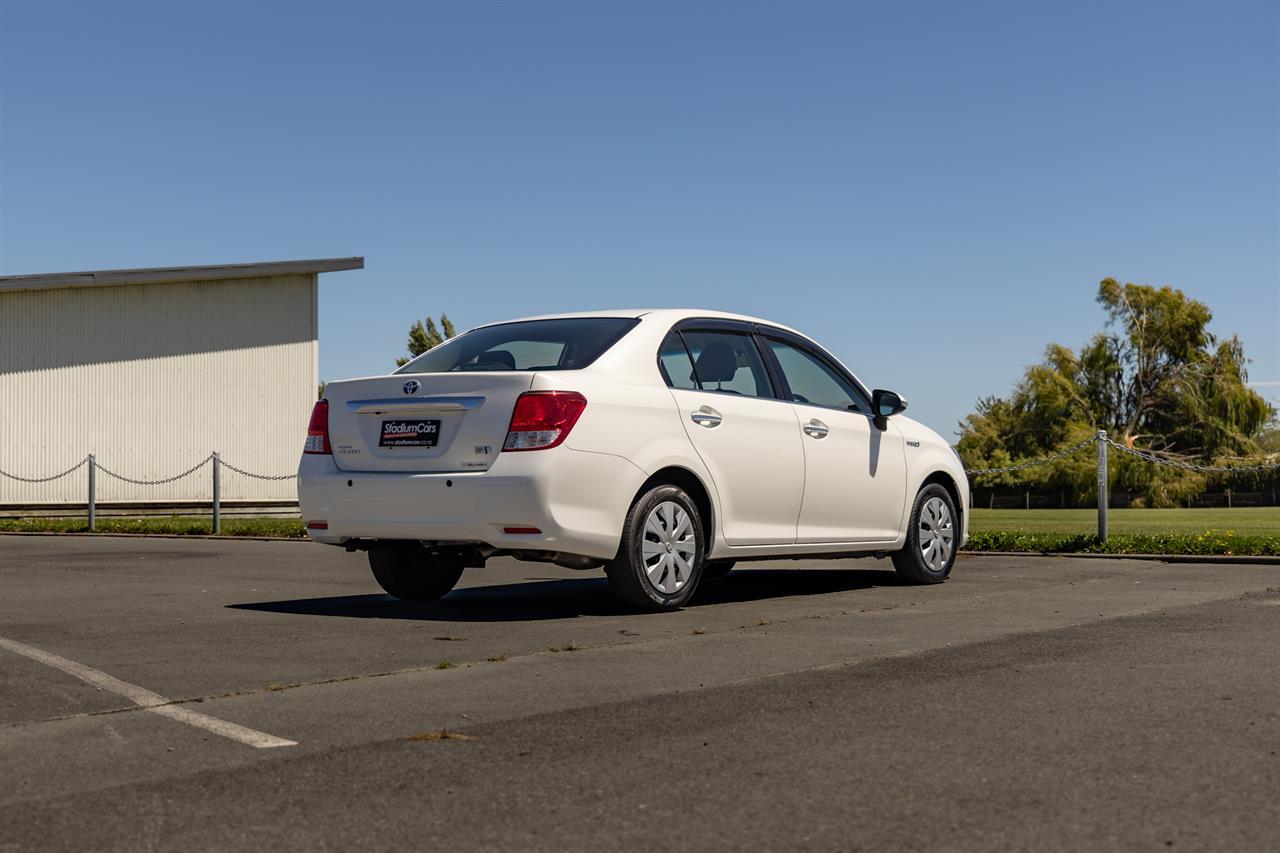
x=566, y=598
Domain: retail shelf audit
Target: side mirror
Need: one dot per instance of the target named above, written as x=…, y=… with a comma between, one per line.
x=886, y=404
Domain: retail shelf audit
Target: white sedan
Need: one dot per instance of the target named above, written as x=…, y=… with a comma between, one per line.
x=663, y=446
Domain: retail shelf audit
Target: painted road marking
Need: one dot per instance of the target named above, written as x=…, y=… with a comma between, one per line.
x=145, y=699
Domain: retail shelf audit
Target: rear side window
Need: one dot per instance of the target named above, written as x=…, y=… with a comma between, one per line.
x=727, y=361
x=567, y=344
x=677, y=366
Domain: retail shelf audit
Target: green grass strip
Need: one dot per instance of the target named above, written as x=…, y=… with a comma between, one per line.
x=1206, y=543
x=173, y=525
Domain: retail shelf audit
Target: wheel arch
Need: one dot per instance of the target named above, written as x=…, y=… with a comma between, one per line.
x=675, y=475
x=947, y=482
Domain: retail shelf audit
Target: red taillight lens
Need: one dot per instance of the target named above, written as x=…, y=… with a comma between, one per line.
x=318, y=429
x=542, y=419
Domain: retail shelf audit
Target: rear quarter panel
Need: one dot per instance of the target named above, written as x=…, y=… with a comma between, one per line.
x=630, y=411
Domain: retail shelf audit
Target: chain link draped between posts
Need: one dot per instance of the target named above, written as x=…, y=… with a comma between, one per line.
x=1031, y=463
x=1101, y=436
x=1187, y=466
x=95, y=467
x=162, y=481
x=76, y=467
x=228, y=465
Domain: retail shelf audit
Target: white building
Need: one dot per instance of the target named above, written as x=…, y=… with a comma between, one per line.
x=152, y=369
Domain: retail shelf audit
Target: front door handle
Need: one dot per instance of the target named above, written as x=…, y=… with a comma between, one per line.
x=816, y=429
x=706, y=417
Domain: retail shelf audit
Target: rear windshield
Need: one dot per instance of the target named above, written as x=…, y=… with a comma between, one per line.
x=532, y=345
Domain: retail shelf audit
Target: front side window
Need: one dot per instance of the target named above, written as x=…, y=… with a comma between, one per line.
x=566, y=344
x=815, y=383
x=728, y=362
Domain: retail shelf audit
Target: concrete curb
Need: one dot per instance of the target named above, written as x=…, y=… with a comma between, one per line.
x=1163, y=558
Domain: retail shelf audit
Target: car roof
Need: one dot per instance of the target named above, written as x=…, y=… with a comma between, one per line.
x=671, y=315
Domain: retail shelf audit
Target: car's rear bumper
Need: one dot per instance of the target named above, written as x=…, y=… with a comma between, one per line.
x=578, y=500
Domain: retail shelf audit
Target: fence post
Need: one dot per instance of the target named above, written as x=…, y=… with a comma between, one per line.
x=217, y=493
x=1102, y=485
x=93, y=509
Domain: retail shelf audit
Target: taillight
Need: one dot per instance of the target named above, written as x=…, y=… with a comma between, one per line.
x=318, y=429
x=542, y=419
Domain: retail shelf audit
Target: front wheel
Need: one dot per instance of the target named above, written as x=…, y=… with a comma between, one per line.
x=410, y=572
x=659, y=561
x=932, y=536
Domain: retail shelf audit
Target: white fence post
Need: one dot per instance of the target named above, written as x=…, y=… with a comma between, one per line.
x=93, y=509
x=217, y=493
x=1102, y=485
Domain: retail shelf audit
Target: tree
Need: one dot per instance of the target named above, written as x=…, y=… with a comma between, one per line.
x=423, y=338
x=1154, y=378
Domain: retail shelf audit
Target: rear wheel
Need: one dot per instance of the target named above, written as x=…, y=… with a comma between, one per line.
x=932, y=537
x=410, y=572
x=660, y=559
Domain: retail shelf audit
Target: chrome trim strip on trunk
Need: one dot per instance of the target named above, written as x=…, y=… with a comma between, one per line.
x=405, y=405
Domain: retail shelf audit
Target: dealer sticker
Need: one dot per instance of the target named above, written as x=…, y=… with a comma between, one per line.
x=409, y=434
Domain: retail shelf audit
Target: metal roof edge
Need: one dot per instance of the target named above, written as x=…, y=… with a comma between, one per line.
x=149, y=275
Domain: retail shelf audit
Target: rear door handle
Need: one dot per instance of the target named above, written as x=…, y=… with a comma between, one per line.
x=706, y=417
x=816, y=429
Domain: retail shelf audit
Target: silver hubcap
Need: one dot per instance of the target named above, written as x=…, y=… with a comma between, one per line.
x=669, y=550
x=937, y=536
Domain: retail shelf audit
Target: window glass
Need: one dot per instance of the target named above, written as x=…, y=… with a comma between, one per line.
x=813, y=382
x=676, y=367
x=725, y=361
x=565, y=344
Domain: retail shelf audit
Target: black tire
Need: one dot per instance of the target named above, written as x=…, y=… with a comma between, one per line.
x=408, y=571
x=627, y=572
x=717, y=568
x=911, y=563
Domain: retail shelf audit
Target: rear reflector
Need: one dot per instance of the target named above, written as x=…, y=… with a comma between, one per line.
x=519, y=530
x=542, y=419
x=317, y=525
x=318, y=429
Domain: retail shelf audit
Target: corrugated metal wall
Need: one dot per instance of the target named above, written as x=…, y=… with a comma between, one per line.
x=151, y=378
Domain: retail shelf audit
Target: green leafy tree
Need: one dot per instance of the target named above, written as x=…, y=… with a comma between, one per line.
x=424, y=337
x=1154, y=378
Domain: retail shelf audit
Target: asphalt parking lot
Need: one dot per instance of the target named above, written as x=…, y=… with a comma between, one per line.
x=199, y=694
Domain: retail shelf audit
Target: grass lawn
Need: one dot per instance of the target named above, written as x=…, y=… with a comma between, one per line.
x=1251, y=531
x=1244, y=521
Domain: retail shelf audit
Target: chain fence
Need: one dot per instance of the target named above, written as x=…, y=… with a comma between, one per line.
x=1031, y=463
x=215, y=459
x=160, y=482
x=1187, y=466
x=74, y=468
x=1101, y=440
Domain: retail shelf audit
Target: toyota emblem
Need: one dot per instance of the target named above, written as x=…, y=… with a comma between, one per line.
x=412, y=386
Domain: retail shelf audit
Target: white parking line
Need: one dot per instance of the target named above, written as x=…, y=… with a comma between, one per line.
x=153, y=702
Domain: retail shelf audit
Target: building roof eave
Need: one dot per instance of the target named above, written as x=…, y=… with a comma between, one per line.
x=156, y=275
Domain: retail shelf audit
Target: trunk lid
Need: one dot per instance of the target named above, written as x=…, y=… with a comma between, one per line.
x=422, y=422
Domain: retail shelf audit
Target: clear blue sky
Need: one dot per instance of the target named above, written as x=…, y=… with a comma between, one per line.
x=932, y=190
